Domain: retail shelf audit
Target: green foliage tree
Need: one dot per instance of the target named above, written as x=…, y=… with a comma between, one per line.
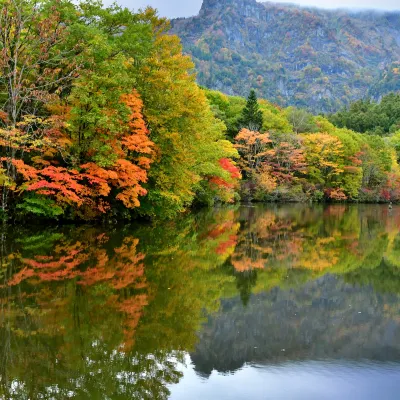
x=367, y=116
x=227, y=109
x=251, y=117
x=275, y=120
x=301, y=120
x=394, y=141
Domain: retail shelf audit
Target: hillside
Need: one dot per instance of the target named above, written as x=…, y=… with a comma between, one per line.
x=308, y=57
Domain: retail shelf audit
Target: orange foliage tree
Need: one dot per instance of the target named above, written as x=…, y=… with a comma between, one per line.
x=252, y=147
x=93, y=188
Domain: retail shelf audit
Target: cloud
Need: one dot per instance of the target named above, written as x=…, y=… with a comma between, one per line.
x=187, y=8
x=391, y=5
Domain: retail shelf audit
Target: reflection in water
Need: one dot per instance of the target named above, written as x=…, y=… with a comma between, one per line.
x=114, y=313
x=319, y=320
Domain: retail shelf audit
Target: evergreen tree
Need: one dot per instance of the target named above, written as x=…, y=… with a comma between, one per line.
x=251, y=117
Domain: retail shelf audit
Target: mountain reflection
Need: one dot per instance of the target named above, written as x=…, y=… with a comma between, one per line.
x=112, y=312
x=325, y=319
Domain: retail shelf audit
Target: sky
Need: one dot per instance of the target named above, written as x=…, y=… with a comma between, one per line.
x=187, y=8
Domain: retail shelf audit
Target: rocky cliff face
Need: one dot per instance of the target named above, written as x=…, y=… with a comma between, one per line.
x=315, y=58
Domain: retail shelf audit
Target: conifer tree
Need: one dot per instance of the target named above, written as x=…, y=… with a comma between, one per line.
x=251, y=117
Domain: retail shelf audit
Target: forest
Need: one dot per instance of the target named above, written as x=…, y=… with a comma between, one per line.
x=101, y=118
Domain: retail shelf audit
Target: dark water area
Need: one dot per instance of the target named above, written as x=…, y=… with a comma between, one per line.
x=260, y=302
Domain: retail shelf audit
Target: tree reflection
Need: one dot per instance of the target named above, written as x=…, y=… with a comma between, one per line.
x=95, y=314
x=285, y=244
x=110, y=313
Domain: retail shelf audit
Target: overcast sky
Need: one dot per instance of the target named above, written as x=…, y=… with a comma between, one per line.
x=186, y=8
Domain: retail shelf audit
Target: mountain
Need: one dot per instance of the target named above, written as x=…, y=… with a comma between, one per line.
x=308, y=57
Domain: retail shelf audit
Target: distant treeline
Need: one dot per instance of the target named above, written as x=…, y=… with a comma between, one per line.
x=371, y=117
x=291, y=155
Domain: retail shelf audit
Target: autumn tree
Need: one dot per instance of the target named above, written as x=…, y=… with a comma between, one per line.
x=324, y=157
x=35, y=67
x=252, y=147
x=190, y=140
x=90, y=187
x=286, y=158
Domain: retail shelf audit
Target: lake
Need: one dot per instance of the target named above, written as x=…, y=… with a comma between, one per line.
x=249, y=302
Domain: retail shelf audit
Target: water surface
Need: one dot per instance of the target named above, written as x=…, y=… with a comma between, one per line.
x=259, y=302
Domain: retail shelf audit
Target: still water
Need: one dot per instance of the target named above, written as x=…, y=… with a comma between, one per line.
x=263, y=302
